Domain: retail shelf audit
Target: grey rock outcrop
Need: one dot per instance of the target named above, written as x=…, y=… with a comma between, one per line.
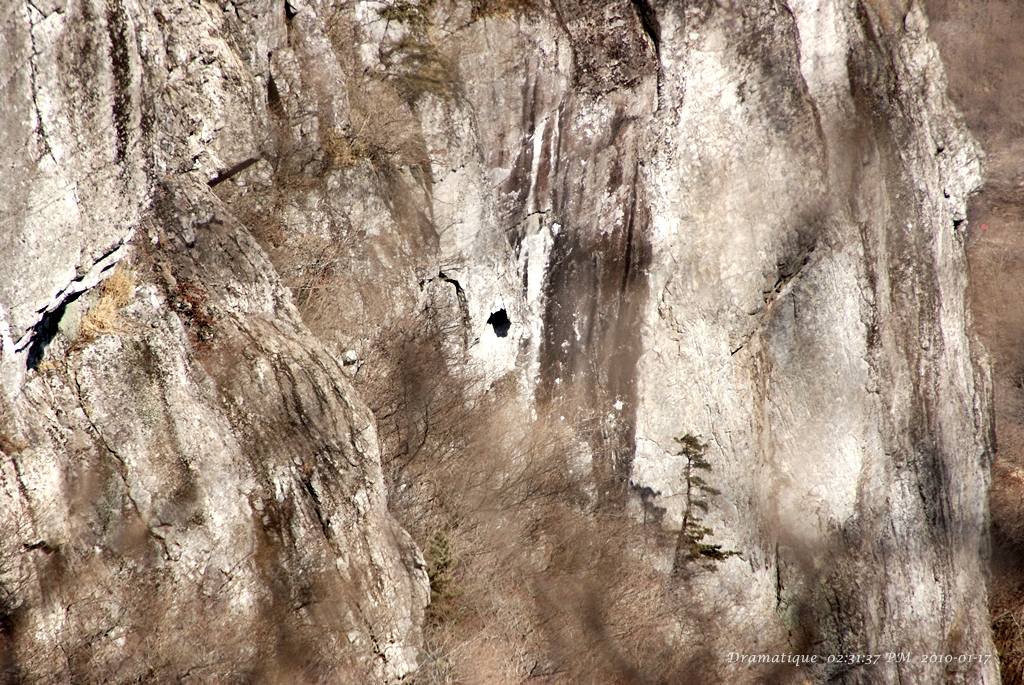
x=807, y=317
x=737, y=219
x=193, y=491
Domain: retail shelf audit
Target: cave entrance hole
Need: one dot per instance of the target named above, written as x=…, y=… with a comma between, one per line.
x=499, y=320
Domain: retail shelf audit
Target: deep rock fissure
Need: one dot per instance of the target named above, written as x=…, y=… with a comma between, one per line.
x=43, y=333
x=649, y=20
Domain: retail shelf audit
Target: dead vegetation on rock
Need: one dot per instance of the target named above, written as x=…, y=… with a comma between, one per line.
x=116, y=292
x=532, y=575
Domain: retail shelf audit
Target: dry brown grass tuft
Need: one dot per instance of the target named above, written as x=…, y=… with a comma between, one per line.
x=116, y=292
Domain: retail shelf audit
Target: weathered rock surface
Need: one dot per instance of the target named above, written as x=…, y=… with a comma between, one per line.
x=195, y=494
x=202, y=486
x=807, y=316
x=740, y=220
x=983, y=55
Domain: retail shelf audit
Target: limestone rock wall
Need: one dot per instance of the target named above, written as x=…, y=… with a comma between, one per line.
x=807, y=318
x=737, y=219
x=191, y=491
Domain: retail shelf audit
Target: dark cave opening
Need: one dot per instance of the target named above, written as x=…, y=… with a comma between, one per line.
x=501, y=323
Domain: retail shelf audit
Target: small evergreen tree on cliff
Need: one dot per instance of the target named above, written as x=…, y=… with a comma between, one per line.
x=690, y=547
x=440, y=568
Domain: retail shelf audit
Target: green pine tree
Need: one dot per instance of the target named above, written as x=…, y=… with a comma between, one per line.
x=690, y=547
x=440, y=567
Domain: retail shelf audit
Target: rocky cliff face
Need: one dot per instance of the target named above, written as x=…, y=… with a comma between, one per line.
x=191, y=490
x=738, y=220
x=802, y=317
x=983, y=55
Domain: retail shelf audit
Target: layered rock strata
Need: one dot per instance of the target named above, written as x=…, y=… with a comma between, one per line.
x=738, y=220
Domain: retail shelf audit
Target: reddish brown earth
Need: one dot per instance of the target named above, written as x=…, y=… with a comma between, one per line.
x=982, y=45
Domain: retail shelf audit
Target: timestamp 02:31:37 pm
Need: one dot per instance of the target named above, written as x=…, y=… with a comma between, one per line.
x=858, y=659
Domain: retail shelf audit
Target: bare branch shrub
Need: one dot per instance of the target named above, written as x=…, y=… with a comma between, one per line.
x=384, y=129
x=501, y=8
x=417, y=67
x=533, y=576
x=412, y=13
x=190, y=301
x=1008, y=635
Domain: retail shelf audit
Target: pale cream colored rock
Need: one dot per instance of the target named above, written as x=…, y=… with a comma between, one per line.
x=177, y=489
x=736, y=219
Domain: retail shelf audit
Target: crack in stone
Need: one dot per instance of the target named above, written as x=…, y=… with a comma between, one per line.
x=40, y=131
x=90, y=280
x=124, y=466
x=460, y=295
x=782, y=288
